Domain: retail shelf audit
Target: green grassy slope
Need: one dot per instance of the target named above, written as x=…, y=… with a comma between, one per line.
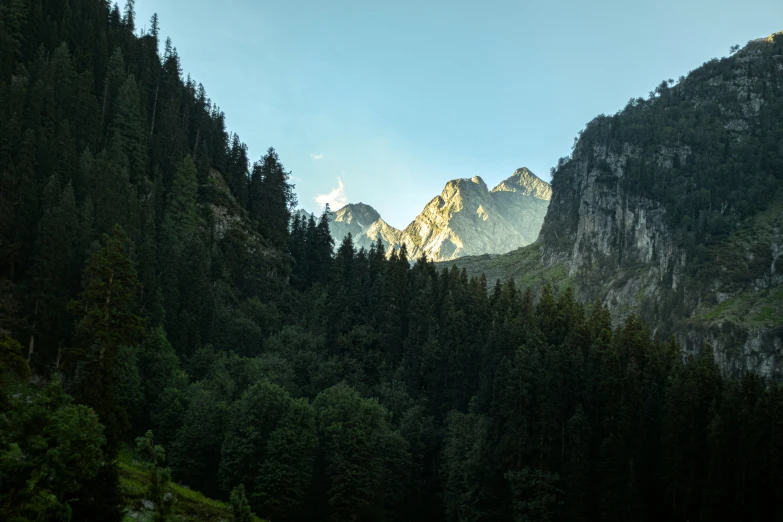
x=189, y=505
x=523, y=265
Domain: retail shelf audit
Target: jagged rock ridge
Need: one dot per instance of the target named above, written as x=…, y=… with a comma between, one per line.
x=465, y=219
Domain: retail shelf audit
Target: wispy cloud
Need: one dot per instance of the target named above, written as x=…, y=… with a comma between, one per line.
x=336, y=198
x=317, y=156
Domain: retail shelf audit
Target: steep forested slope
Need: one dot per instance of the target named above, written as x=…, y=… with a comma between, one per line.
x=126, y=208
x=155, y=301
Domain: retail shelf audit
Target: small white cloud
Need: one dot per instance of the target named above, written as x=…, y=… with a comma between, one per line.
x=317, y=156
x=336, y=198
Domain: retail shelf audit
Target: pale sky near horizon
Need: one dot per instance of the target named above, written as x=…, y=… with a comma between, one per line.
x=397, y=98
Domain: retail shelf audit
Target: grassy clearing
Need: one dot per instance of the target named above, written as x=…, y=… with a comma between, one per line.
x=189, y=505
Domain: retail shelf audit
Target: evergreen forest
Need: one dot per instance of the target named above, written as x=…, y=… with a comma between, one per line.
x=159, y=297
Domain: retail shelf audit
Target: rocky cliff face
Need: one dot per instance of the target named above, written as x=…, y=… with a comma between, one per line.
x=230, y=223
x=465, y=219
x=667, y=209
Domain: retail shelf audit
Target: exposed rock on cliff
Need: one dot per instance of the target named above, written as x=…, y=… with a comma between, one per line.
x=524, y=199
x=672, y=209
x=356, y=219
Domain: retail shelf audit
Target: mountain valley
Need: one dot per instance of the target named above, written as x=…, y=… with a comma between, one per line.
x=177, y=342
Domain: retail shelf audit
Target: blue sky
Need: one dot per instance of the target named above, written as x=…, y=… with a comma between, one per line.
x=395, y=98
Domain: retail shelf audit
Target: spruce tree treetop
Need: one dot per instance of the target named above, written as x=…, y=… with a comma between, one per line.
x=271, y=199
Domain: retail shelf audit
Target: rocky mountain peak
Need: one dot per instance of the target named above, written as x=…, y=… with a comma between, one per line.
x=478, y=181
x=456, y=187
x=465, y=219
x=360, y=213
x=457, y=195
x=524, y=181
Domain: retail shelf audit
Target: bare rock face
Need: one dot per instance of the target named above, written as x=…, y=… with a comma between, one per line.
x=523, y=199
x=389, y=236
x=465, y=219
x=356, y=219
x=469, y=219
x=229, y=218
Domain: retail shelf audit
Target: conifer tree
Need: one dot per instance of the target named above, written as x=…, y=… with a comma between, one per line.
x=297, y=247
x=271, y=198
x=128, y=129
x=320, y=246
x=13, y=23
x=255, y=416
x=107, y=307
x=199, y=428
x=181, y=214
x=535, y=494
x=53, y=274
x=158, y=477
x=576, y=474
x=107, y=323
x=464, y=467
x=115, y=78
x=155, y=29
x=351, y=431
x=236, y=170
x=129, y=18
x=110, y=189
x=179, y=236
x=62, y=76
x=240, y=509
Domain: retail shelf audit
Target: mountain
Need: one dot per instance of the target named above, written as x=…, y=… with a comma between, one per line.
x=465, y=219
x=524, y=199
x=672, y=209
x=354, y=219
x=364, y=223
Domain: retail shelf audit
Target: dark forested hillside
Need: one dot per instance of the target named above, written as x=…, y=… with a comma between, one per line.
x=156, y=305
